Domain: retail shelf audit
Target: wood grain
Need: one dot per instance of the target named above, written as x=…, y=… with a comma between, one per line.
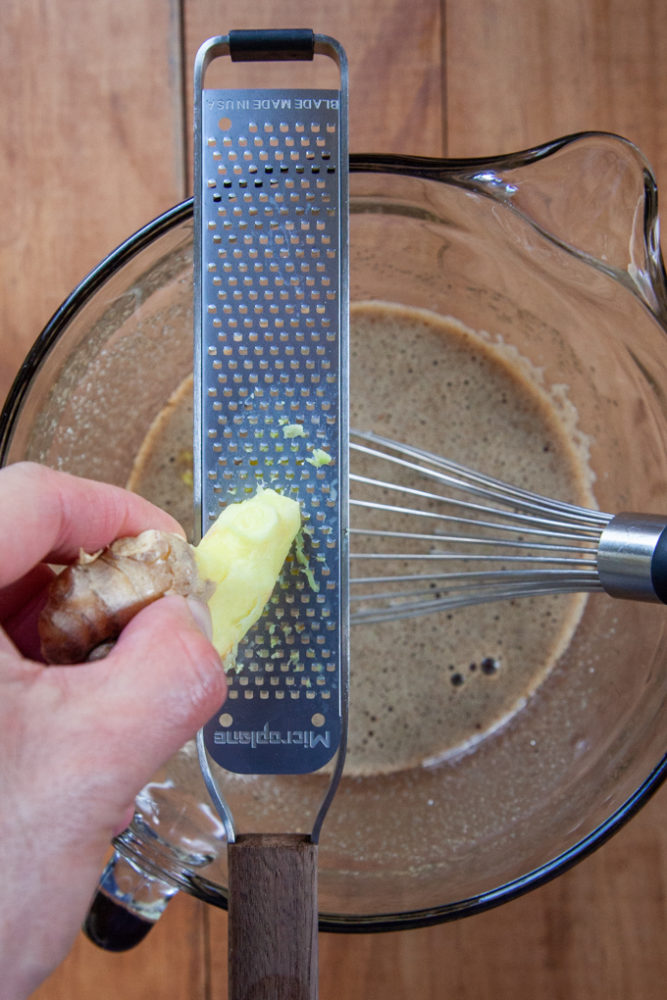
x=92, y=145
x=272, y=925
x=520, y=73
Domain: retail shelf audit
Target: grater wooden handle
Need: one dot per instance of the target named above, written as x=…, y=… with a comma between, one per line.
x=272, y=917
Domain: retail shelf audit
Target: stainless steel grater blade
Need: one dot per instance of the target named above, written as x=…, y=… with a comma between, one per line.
x=271, y=386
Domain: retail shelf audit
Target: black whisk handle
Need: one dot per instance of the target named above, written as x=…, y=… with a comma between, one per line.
x=659, y=567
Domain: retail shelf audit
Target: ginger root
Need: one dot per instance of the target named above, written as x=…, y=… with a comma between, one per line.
x=234, y=568
x=90, y=602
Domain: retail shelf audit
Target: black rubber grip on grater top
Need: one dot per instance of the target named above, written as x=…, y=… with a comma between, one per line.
x=271, y=45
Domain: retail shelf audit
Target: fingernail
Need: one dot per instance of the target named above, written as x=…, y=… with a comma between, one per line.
x=202, y=616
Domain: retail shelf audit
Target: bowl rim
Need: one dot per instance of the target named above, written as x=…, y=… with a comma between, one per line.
x=332, y=922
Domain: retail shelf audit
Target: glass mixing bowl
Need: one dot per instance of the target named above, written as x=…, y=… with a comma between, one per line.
x=551, y=256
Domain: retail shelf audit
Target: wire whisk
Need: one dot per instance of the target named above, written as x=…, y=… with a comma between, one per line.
x=429, y=535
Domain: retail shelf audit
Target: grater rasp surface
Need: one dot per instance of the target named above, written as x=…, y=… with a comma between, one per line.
x=272, y=397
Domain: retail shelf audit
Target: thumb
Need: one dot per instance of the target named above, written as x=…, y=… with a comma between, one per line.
x=164, y=680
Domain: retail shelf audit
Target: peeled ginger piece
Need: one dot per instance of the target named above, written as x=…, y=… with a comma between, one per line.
x=242, y=554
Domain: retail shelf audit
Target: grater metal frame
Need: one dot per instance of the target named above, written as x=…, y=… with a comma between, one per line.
x=267, y=748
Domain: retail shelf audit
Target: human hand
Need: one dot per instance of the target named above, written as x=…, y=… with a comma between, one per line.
x=77, y=743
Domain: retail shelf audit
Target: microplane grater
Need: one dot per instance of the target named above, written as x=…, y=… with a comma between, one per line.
x=271, y=388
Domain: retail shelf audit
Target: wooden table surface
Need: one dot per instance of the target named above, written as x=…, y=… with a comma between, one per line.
x=93, y=143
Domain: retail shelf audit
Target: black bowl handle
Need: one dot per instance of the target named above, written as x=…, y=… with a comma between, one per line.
x=112, y=927
x=127, y=904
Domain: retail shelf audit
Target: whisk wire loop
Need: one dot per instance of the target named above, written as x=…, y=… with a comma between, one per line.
x=497, y=541
x=454, y=475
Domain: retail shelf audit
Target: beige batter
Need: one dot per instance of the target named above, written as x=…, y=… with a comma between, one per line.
x=428, y=689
